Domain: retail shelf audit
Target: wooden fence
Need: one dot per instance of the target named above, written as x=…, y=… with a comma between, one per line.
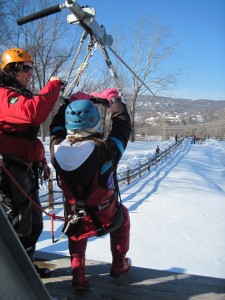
x=124, y=177
x=127, y=176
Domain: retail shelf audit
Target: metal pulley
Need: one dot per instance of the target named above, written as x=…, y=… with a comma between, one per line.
x=77, y=216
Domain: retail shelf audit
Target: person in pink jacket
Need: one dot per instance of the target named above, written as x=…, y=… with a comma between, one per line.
x=21, y=152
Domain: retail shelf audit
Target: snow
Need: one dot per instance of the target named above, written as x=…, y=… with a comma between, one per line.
x=177, y=211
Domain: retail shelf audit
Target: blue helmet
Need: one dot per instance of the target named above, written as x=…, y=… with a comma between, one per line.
x=83, y=115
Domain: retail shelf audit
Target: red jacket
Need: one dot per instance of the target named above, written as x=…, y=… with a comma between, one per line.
x=18, y=113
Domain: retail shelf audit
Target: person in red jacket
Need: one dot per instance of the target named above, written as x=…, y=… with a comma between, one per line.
x=86, y=164
x=22, y=153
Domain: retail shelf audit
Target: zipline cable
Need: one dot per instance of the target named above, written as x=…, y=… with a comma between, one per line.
x=83, y=37
x=126, y=65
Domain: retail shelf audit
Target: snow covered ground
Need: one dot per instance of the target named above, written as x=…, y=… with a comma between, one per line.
x=177, y=211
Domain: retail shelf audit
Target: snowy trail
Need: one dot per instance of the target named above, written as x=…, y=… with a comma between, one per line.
x=177, y=216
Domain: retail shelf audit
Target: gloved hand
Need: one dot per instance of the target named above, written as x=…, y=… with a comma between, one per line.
x=107, y=94
x=80, y=96
x=55, y=78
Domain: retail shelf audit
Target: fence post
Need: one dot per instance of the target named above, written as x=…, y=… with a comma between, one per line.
x=139, y=169
x=128, y=175
x=50, y=191
x=149, y=164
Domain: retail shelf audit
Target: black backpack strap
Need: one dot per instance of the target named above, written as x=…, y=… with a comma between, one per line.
x=116, y=183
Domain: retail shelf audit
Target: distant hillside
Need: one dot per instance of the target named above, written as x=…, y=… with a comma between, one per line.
x=154, y=115
x=150, y=103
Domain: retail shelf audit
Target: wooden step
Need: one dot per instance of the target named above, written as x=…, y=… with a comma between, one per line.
x=137, y=284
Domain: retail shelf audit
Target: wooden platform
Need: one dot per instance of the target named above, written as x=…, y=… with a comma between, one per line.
x=137, y=284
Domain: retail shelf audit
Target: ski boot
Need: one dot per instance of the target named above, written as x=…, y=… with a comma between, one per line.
x=120, y=265
x=43, y=272
x=79, y=281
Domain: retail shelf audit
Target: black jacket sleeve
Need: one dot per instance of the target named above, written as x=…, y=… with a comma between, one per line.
x=57, y=129
x=121, y=127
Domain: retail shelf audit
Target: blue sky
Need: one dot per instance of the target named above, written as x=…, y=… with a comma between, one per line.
x=199, y=25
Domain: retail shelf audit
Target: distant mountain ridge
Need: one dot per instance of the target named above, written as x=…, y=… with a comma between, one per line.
x=178, y=105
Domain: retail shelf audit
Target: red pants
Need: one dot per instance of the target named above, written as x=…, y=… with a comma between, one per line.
x=119, y=239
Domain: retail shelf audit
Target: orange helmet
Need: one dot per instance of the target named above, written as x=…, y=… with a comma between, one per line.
x=15, y=55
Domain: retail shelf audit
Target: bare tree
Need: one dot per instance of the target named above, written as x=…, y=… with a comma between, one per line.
x=4, y=12
x=147, y=52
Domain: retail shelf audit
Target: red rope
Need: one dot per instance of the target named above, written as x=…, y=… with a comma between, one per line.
x=51, y=215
